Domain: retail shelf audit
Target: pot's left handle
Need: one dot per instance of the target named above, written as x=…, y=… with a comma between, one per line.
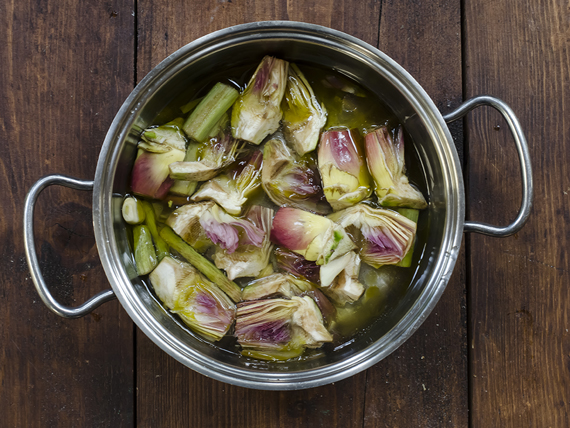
x=31, y=256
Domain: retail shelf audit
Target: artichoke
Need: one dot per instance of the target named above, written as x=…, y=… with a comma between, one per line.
x=232, y=189
x=278, y=329
x=159, y=147
x=277, y=284
x=314, y=237
x=289, y=180
x=339, y=279
x=249, y=259
x=202, y=306
x=257, y=112
x=213, y=155
x=303, y=116
x=386, y=162
x=383, y=235
x=185, y=221
x=343, y=170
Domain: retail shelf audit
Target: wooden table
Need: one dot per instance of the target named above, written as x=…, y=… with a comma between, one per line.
x=495, y=352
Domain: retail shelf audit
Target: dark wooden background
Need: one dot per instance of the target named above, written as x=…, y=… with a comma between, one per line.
x=495, y=352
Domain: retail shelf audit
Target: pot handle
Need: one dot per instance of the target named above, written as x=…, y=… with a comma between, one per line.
x=31, y=256
x=524, y=159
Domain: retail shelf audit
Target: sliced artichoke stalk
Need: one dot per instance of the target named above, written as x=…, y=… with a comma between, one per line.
x=289, y=180
x=210, y=111
x=277, y=329
x=145, y=254
x=202, y=306
x=162, y=139
x=257, y=111
x=346, y=180
x=297, y=265
x=385, y=235
x=215, y=155
x=277, y=284
x=386, y=163
x=224, y=229
x=185, y=221
x=162, y=248
x=314, y=237
x=132, y=211
x=231, y=190
x=303, y=116
x=248, y=259
x=339, y=279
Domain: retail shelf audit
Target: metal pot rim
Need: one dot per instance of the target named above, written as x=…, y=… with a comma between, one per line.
x=434, y=287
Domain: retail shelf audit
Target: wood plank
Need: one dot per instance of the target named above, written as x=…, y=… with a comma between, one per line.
x=171, y=395
x=520, y=352
x=66, y=67
x=425, y=382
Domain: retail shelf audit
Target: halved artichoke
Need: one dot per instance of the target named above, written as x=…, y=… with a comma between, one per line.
x=386, y=162
x=383, y=235
x=213, y=155
x=289, y=180
x=257, y=111
x=314, y=237
x=185, y=221
x=277, y=329
x=249, y=259
x=231, y=190
x=346, y=180
x=283, y=285
x=202, y=306
x=159, y=147
x=303, y=116
x=229, y=232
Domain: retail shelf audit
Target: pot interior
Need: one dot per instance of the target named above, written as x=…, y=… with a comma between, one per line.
x=207, y=61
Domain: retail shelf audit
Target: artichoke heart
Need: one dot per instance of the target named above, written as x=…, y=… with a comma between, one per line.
x=314, y=237
x=283, y=285
x=385, y=235
x=343, y=170
x=289, y=180
x=303, y=116
x=386, y=162
x=276, y=329
x=214, y=155
x=185, y=221
x=232, y=189
x=202, y=306
x=249, y=259
x=257, y=111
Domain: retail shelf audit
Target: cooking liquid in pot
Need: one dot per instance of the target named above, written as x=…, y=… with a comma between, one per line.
x=349, y=105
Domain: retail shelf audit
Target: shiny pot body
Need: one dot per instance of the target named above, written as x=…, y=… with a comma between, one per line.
x=206, y=60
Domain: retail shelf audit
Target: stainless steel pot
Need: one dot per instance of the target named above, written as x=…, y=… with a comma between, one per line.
x=202, y=61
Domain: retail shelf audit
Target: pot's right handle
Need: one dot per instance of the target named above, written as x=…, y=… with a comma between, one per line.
x=32, y=258
x=524, y=158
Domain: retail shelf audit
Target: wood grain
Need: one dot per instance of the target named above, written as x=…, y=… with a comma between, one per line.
x=425, y=382
x=520, y=352
x=66, y=68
